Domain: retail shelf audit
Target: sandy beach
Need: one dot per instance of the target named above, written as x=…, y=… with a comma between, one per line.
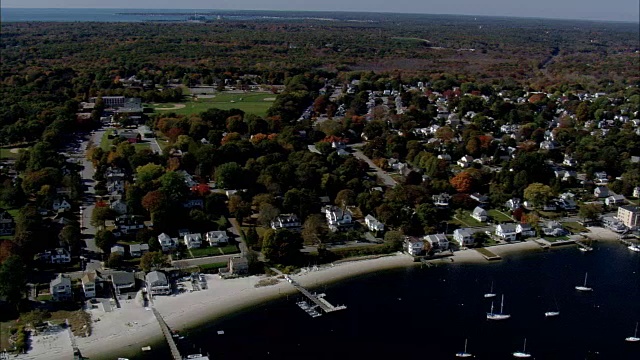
x=132, y=326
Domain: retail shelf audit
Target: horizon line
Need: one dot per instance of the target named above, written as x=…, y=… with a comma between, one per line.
x=342, y=11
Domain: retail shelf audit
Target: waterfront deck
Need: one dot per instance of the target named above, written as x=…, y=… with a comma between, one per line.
x=318, y=300
x=487, y=254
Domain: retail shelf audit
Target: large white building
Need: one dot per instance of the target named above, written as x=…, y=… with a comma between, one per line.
x=629, y=215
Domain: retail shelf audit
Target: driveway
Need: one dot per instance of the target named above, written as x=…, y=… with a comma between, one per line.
x=382, y=175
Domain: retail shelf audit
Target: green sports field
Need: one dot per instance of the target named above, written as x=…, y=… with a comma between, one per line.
x=250, y=103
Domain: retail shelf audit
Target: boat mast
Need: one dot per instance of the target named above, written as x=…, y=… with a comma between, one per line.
x=524, y=348
x=501, y=303
x=465, y=342
x=585, y=279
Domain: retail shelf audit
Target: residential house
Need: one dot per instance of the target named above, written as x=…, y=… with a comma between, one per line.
x=636, y=192
x=61, y=204
x=615, y=200
x=166, y=242
x=117, y=249
x=286, y=221
x=550, y=206
x=629, y=215
x=193, y=203
x=60, y=288
x=566, y=204
x=513, y=204
x=553, y=228
x=483, y=200
x=441, y=200
x=465, y=161
x=122, y=281
x=525, y=230
x=115, y=187
x=479, y=214
x=569, y=161
x=7, y=224
x=193, y=241
x=445, y=157
x=238, y=266
x=614, y=223
x=438, y=242
x=157, y=283
x=137, y=250
x=217, y=238
x=600, y=178
x=338, y=219
x=463, y=236
x=601, y=192
x=506, y=232
x=119, y=206
x=89, y=284
x=129, y=223
x=55, y=256
x=548, y=145
x=414, y=246
x=373, y=224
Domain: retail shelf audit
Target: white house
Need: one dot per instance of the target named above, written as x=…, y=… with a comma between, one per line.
x=438, y=242
x=157, y=283
x=89, y=285
x=166, y=242
x=373, y=224
x=60, y=288
x=465, y=161
x=463, y=236
x=615, y=200
x=414, y=246
x=338, y=219
x=137, y=250
x=193, y=241
x=115, y=186
x=506, y=232
x=636, y=192
x=217, y=238
x=629, y=215
x=479, y=214
x=61, y=204
x=525, y=230
x=286, y=221
x=441, y=200
x=513, y=204
x=117, y=249
x=601, y=178
x=57, y=256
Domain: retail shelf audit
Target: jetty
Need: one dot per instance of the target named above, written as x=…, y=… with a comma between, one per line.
x=318, y=300
x=487, y=254
x=175, y=353
x=583, y=246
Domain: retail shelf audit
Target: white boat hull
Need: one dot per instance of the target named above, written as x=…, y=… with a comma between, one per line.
x=497, y=316
x=583, y=288
x=632, y=339
x=635, y=248
x=463, y=355
x=489, y=295
x=551, y=313
x=521, y=355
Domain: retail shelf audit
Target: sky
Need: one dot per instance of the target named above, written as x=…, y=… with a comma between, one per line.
x=615, y=10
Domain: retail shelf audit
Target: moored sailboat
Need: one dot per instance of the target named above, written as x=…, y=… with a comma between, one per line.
x=490, y=294
x=584, y=287
x=635, y=337
x=523, y=353
x=498, y=316
x=464, y=354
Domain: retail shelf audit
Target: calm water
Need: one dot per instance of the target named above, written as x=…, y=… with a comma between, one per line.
x=429, y=312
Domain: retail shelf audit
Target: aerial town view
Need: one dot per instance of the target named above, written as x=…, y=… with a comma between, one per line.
x=336, y=180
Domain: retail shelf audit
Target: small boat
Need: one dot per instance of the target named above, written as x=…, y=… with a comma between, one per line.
x=146, y=348
x=584, y=287
x=635, y=337
x=464, y=354
x=523, y=353
x=635, y=248
x=490, y=294
x=121, y=358
x=552, y=313
x=497, y=316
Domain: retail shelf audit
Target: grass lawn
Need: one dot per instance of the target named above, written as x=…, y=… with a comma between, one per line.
x=105, y=142
x=466, y=220
x=205, y=251
x=498, y=216
x=212, y=267
x=5, y=333
x=574, y=227
x=553, y=239
x=229, y=249
x=7, y=153
x=486, y=252
x=250, y=103
x=142, y=145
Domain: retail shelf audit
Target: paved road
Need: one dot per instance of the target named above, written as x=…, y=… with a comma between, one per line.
x=155, y=147
x=382, y=175
x=203, y=260
x=88, y=200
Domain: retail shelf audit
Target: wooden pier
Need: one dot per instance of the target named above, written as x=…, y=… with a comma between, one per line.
x=175, y=353
x=583, y=246
x=318, y=300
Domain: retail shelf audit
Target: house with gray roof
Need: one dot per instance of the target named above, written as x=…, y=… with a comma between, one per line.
x=463, y=236
x=60, y=288
x=157, y=283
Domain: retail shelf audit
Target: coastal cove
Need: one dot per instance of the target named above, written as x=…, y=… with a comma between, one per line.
x=442, y=305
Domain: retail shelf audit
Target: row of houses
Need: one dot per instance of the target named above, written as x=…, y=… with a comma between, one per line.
x=338, y=219
x=193, y=240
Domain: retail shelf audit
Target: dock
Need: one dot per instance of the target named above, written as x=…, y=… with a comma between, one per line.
x=582, y=246
x=488, y=255
x=175, y=353
x=318, y=300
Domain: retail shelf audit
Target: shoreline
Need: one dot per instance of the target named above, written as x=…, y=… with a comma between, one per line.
x=131, y=327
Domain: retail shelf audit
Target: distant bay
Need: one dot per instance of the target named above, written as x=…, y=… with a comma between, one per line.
x=428, y=313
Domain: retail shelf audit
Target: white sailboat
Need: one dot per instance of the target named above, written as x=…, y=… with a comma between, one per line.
x=490, y=294
x=497, y=316
x=553, y=313
x=633, y=338
x=523, y=353
x=635, y=248
x=464, y=354
x=584, y=287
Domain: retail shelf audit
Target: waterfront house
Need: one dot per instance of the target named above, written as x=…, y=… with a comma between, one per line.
x=553, y=228
x=629, y=215
x=338, y=219
x=217, y=238
x=117, y=249
x=506, y=232
x=414, y=246
x=193, y=241
x=479, y=214
x=525, y=230
x=614, y=224
x=463, y=236
x=137, y=250
x=166, y=243
x=286, y=221
x=122, y=281
x=157, y=283
x=89, y=285
x=7, y=224
x=60, y=288
x=373, y=224
x=238, y=266
x=438, y=242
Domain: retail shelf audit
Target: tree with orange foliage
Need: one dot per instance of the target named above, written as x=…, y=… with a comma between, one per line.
x=154, y=200
x=463, y=182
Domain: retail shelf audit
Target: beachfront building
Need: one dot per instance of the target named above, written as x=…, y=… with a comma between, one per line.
x=338, y=219
x=506, y=232
x=157, y=283
x=463, y=236
x=166, y=242
x=438, y=242
x=373, y=224
x=238, y=266
x=122, y=281
x=414, y=246
x=217, y=238
x=525, y=230
x=286, y=221
x=629, y=215
x=193, y=241
x=89, y=281
x=60, y=288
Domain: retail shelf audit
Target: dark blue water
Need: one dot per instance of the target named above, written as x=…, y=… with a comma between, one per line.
x=429, y=312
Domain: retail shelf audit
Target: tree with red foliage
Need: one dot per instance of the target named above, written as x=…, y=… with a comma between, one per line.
x=463, y=182
x=153, y=201
x=517, y=213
